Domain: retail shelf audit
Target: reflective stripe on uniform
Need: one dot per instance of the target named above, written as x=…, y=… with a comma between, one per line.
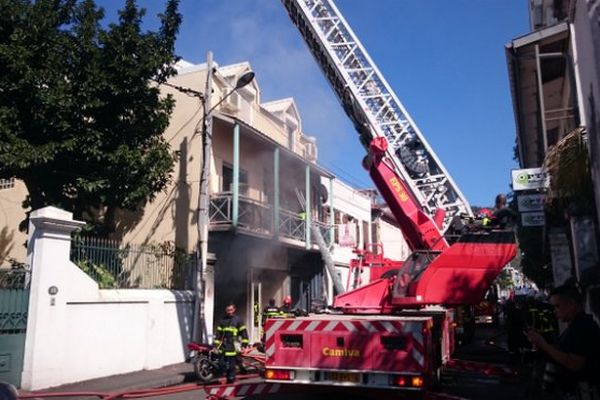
x=230, y=353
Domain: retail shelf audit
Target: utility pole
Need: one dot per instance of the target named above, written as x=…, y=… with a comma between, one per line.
x=199, y=333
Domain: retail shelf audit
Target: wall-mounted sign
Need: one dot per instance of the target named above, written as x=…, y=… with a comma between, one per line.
x=535, y=218
x=530, y=202
x=529, y=178
x=585, y=251
x=560, y=254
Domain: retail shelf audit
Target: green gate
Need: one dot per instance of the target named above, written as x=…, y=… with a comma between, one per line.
x=14, y=300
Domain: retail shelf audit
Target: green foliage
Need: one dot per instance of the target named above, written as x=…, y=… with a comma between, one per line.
x=100, y=273
x=81, y=116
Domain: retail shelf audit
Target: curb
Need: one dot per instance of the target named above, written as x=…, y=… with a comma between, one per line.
x=146, y=379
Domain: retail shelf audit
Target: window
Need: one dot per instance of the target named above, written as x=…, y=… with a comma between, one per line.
x=7, y=183
x=228, y=180
x=291, y=136
x=336, y=221
x=365, y=231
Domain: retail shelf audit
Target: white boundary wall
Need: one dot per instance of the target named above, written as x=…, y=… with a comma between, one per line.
x=82, y=332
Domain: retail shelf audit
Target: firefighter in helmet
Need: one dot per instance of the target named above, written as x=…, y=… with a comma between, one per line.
x=286, y=308
x=230, y=329
x=270, y=311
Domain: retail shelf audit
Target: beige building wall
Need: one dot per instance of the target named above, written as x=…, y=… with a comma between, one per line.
x=12, y=240
x=171, y=215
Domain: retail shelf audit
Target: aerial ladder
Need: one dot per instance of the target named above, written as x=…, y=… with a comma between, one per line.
x=420, y=192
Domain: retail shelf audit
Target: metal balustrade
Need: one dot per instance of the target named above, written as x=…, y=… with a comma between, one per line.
x=258, y=217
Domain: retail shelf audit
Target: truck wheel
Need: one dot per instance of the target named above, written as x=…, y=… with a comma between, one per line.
x=203, y=370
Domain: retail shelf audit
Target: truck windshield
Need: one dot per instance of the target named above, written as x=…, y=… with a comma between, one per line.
x=411, y=270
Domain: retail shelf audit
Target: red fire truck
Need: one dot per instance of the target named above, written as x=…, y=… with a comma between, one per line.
x=395, y=333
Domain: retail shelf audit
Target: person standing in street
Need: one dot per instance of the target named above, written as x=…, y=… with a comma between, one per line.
x=231, y=329
x=576, y=356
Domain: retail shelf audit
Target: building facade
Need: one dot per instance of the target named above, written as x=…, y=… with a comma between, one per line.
x=554, y=74
x=266, y=192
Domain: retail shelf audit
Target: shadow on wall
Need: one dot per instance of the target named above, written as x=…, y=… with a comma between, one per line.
x=6, y=244
x=176, y=202
x=184, y=305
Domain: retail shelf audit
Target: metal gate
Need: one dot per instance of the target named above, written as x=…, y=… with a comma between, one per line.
x=14, y=300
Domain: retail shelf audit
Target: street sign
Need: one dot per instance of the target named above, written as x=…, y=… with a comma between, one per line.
x=530, y=202
x=529, y=178
x=535, y=218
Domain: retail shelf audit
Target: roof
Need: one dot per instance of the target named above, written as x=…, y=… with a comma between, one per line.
x=283, y=105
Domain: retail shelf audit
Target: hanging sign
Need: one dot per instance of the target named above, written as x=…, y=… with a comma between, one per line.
x=536, y=218
x=530, y=202
x=529, y=178
x=560, y=254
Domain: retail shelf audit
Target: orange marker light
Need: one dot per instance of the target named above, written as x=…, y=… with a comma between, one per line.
x=417, y=381
x=279, y=374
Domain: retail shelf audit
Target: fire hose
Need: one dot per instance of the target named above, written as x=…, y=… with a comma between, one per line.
x=131, y=394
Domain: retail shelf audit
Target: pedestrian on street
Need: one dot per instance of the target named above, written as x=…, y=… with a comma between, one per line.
x=576, y=356
x=231, y=330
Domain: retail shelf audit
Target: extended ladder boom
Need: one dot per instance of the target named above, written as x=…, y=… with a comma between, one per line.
x=374, y=108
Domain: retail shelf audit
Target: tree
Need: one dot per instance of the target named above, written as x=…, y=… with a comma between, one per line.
x=81, y=115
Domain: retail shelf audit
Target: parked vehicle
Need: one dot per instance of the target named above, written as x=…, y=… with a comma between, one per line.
x=209, y=363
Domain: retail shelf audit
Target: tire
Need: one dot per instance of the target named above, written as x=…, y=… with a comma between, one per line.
x=203, y=369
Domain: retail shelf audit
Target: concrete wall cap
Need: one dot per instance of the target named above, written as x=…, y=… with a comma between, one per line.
x=52, y=212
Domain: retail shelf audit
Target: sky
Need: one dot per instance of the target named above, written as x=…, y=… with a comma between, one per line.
x=444, y=59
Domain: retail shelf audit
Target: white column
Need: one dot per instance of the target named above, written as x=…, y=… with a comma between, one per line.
x=49, y=246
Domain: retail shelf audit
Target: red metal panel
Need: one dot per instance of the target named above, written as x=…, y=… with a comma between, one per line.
x=277, y=353
x=343, y=343
x=463, y=273
x=369, y=298
x=412, y=358
x=354, y=353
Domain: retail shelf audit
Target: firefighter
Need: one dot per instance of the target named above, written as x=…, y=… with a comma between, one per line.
x=270, y=311
x=230, y=329
x=286, y=308
x=502, y=216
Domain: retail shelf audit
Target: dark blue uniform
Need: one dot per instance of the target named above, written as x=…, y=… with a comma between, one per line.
x=228, y=331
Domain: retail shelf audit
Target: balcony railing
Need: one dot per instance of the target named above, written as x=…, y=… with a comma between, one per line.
x=291, y=225
x=252, y=215
x=259, y=217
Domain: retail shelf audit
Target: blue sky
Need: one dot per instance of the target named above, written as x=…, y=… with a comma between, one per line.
x=444, y=59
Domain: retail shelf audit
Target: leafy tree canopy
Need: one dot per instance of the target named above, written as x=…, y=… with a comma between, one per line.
x=81, y=115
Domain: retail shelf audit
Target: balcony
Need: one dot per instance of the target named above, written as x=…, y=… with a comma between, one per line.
x=257, y=218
